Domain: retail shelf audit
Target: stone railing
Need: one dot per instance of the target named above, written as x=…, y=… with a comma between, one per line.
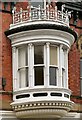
x=37, y=14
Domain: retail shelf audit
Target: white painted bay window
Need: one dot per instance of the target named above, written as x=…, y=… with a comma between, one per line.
x=41, y=65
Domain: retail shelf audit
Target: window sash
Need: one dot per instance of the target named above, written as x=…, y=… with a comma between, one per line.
x=53, y=55
x=23, y=77
x=39, y=75
x=23, y=66
x=53, y=75
x=22, y=56
x=38, y=54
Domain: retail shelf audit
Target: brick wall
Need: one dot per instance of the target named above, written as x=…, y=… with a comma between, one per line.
x=6, y=55
x=74, y=66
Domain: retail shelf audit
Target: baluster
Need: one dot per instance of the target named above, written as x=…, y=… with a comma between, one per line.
x=21, y=19
x=56, y=13
x=27, y=13
x=63, y=12
x=67, y=19
x=48, y=11
x=39, y=13
x=13, y=12
x=30, y=13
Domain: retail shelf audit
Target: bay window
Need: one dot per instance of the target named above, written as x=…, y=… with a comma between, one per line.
x=38, y=65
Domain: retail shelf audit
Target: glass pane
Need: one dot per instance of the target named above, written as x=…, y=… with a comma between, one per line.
x=36, y=3
x=63, y=77
x=81, y=86
x=23, y=77
x=81, y=68
x=53, y=76
x=53, y=55
x=22, y=57
x=38, y=55
x=39, y=76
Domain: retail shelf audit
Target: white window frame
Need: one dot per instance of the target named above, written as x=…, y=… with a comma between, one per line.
x=22, y=67
x=46, y=65
x=39, y=65
x=54, y=66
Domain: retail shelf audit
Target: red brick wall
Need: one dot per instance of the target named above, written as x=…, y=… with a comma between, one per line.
x=74, y=74
x=6, y=54
x=74, y=67
x=74, y=70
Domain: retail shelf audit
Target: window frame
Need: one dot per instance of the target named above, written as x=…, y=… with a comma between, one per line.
x=46, y=65
x=39, y=65
x=54, y=66
x=22, y=67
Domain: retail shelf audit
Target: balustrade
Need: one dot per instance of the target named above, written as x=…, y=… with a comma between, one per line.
x=34, y=14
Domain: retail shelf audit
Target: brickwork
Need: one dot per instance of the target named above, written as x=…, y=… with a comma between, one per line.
x=5, y=54
x=74, y=66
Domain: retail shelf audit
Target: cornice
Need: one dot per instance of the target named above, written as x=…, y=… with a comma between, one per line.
x=41, y=26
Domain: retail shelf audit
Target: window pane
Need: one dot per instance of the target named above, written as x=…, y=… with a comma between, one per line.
x=23, y=77
x=53, y=79
x=38, y=55
x=63, y=78
x=81, y=86
x=22, y=56
x=81, y=68
x=63, y=58
x=53, y=55
x=35, y=3
x=39, y=76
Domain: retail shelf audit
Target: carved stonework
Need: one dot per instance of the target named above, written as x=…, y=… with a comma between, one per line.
x=80, y=45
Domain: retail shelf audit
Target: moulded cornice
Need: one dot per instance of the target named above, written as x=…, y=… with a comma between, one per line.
x=40, y=25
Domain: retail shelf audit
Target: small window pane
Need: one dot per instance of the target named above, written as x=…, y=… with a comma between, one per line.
x=81, y=68
x=53, y=75
x=53, y=55
x=38, y=55
x=35, y=3
x=63, y=58
x=63, y=78
x=39, y=76
x=81, y=86
x=23, y=77
x=22, y=57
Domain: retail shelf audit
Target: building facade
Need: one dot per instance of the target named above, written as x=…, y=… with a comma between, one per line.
x=41, y=59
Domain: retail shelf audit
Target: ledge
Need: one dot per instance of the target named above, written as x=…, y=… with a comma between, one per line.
x=6, y=92
x=41, y=25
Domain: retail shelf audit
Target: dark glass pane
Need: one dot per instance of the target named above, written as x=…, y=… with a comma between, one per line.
x=52, y=71
x=39, y=76
x=38, y=55
x=81, y=68
x=81, y=86
x=35, y=3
